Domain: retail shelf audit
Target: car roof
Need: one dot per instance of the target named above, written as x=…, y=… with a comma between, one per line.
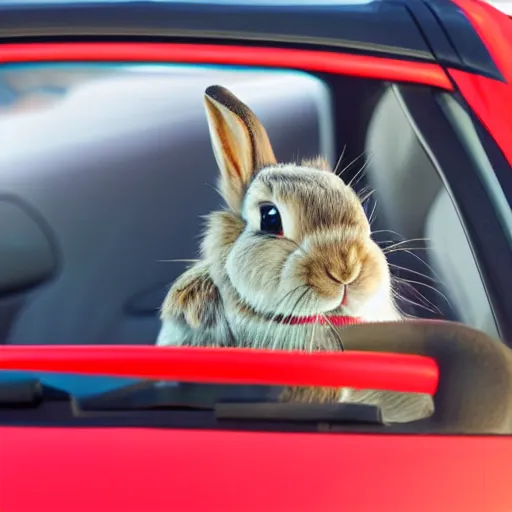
x=415, y=30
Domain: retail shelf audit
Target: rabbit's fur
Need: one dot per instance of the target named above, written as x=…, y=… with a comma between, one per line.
x=248, y=281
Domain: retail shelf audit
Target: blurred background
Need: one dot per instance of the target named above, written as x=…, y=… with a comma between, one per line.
x=105, y=172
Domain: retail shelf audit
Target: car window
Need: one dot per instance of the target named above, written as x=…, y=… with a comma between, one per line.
x=417, y=205
x=106, y=172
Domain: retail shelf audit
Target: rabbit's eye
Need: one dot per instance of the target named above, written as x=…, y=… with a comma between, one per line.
x=270, y=220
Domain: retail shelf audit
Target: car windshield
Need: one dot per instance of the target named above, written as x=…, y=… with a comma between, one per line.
x=112, y=171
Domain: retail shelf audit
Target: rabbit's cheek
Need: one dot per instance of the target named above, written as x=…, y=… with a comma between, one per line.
x=254, y=267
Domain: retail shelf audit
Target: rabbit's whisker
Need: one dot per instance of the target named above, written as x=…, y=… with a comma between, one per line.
x=287, y=296
x=340, y=159
x=379, y=242
x=389, y=231
x=288, y=240
x=409, y=251
x=335, y=332
x=412, y=282
x=300, y=338
x=310, y=349
x=417, y=294
x=178, y=261
x=361, y=193
x=404, y=249
x=295, y=306
x=371, y=217
x=432, y=271
x=399, y=244
x=350, y=164
x=409, y=301
x=354, y=181
x=401, y=311
x=405, y=269
x=366, y=196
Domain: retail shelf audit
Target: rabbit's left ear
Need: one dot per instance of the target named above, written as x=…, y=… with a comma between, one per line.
x=240, y=143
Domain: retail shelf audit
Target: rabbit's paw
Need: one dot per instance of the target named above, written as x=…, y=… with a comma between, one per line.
x=193, y=298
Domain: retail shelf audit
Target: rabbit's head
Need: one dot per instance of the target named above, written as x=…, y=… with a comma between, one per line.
x=294, y=240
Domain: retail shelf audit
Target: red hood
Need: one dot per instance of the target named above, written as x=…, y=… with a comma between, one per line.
x=163, y=469
x=157, y=470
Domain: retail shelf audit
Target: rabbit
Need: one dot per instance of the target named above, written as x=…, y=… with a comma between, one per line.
x=291, y=249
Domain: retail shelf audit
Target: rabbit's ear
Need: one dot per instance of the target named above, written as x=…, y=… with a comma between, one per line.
x=240, y=143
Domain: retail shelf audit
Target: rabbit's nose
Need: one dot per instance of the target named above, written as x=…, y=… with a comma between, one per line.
x=335, y=275
x=342, y=274
x=337, y=278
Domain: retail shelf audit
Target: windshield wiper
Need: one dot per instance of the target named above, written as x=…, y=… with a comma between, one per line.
x=300, y=412
x=225, y=402
x=26, y=393
x=228, y=402
x=150, y=395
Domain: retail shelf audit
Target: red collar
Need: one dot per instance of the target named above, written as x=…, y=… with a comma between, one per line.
x=335, y=320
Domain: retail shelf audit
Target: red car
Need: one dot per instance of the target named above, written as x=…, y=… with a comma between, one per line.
x=104, y=155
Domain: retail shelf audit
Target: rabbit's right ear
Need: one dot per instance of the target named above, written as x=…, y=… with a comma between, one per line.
x=240, y=143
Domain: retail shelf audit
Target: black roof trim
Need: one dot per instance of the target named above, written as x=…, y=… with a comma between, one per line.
x=375, y=27
x=434, y=33
x=472, y=52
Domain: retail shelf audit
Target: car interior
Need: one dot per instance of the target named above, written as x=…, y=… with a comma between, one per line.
x=106, y=170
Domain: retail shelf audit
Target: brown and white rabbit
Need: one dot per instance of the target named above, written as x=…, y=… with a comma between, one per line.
x=292, y=248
